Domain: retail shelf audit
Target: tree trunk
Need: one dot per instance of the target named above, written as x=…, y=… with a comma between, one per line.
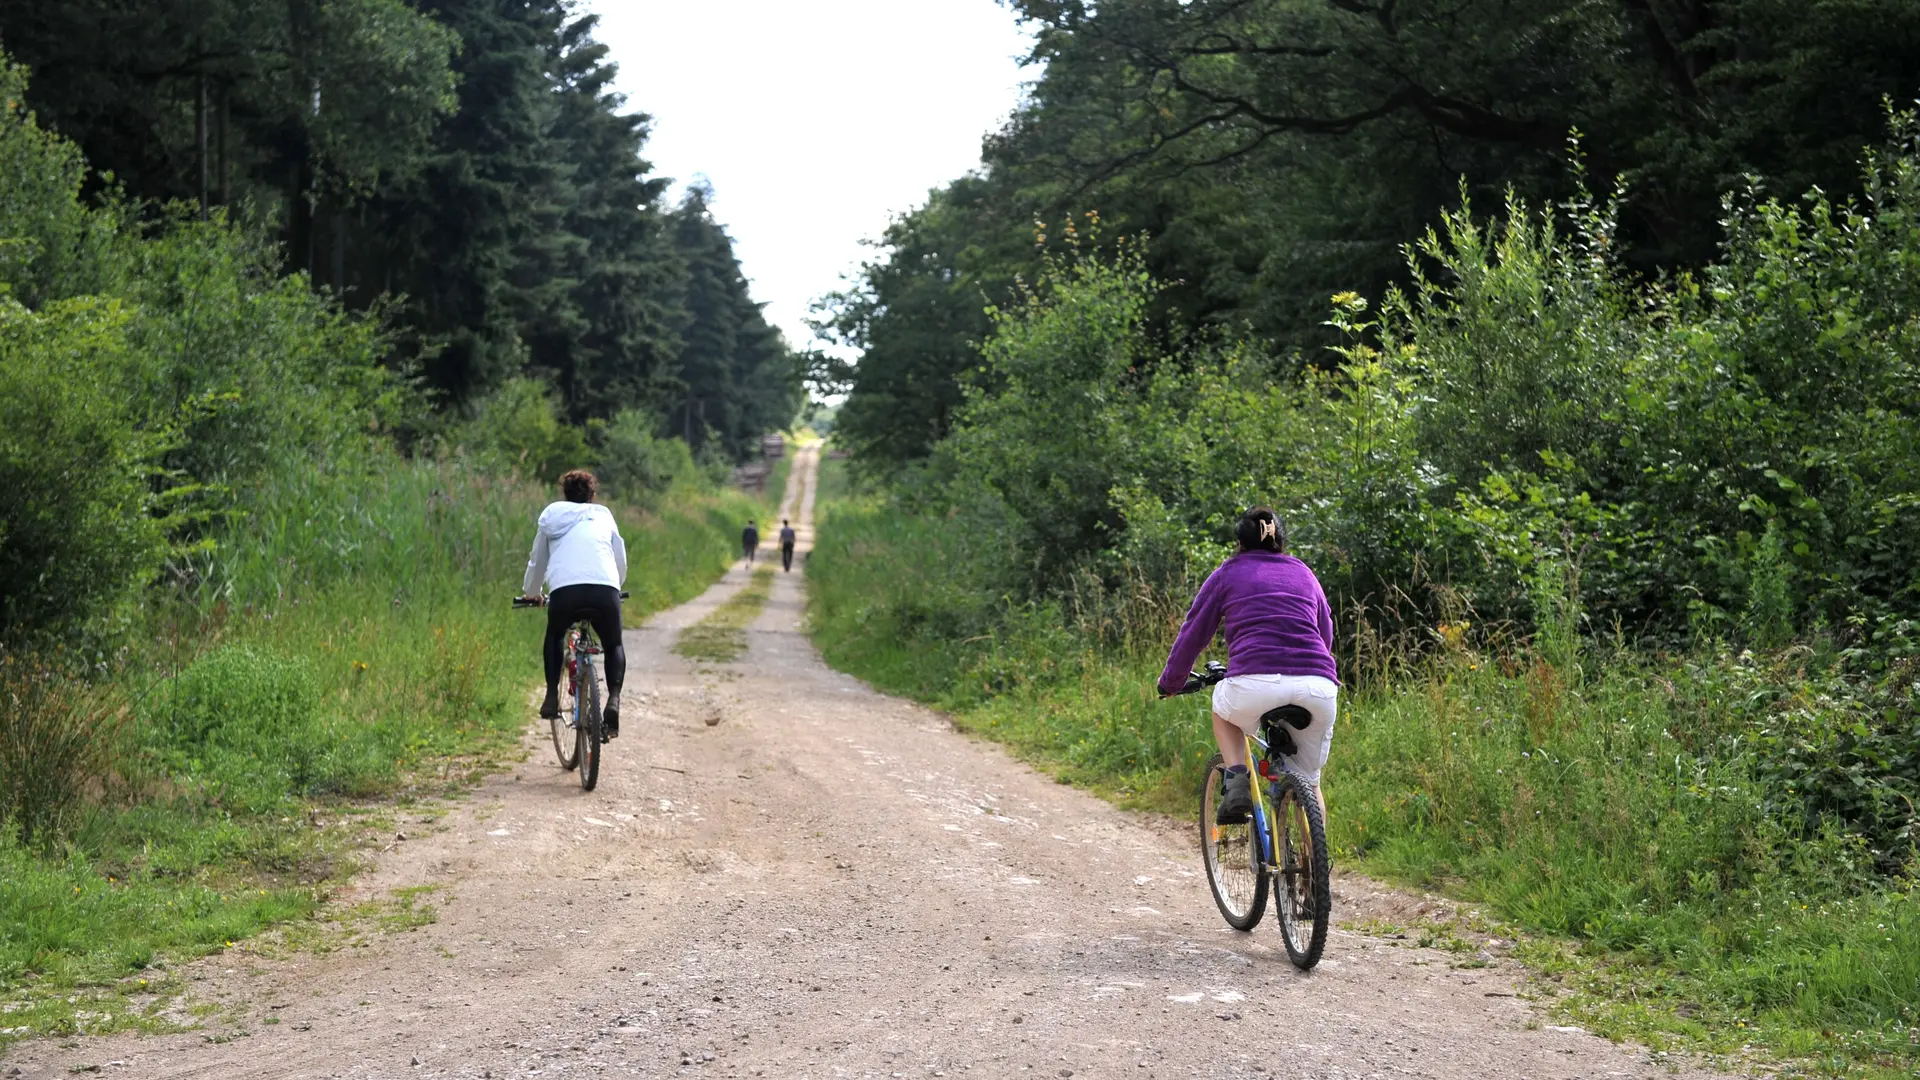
x=340, y=252
x=300, y=220
x=226, y=119
x=200, y=140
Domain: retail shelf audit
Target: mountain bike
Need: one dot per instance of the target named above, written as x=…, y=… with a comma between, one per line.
x=578, y=729
x=1282, y=846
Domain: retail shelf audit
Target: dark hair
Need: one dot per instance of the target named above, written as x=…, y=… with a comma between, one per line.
x=1260, y=529
x=579, y=486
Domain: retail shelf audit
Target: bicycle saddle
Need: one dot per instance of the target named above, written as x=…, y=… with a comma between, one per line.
x=1294, y=716
x=1276, y=721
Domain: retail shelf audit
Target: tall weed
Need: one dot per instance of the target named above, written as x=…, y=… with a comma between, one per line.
x=58, y=742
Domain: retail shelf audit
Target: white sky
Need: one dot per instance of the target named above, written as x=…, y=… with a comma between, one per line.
x=815, y=121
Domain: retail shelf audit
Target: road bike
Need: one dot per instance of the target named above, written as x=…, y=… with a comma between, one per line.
x=579, y=728
x=1283, y=844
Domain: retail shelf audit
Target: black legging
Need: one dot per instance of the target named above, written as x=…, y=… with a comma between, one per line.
x=599, y=605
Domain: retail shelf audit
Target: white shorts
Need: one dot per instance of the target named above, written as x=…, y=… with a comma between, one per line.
x=1243, y=698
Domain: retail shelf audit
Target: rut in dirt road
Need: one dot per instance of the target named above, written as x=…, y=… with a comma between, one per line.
x=830, y=883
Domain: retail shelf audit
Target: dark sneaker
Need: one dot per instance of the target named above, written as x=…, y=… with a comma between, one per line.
x=1236, y=799
x=550, y=706
x=610, y=721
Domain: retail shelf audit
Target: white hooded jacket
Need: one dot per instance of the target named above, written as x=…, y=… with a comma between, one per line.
x=577, y=544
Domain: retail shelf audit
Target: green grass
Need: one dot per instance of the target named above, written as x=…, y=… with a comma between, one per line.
x=721, y=637
x=1603, y=811
x=361, y=658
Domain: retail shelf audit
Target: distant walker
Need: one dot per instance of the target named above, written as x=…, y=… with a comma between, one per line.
x=787, y=537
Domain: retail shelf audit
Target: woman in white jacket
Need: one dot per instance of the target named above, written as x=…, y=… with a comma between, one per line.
x=579, y=555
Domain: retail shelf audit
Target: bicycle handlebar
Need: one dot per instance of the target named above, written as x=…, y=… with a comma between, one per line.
x=524, y=602
x=1197, y=681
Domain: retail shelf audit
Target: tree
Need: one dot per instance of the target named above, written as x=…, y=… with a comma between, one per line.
x=737, y=377
x=917, y=316
x=1279, y=151
x=609, y=347
x=281, y=105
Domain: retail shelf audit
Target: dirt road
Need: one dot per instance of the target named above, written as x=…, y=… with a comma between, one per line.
x=828, y=883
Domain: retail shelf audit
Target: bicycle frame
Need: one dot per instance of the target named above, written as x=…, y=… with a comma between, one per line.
x=580, y=643
x=1264, y=834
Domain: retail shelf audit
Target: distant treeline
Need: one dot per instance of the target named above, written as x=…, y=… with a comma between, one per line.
x=466, y=157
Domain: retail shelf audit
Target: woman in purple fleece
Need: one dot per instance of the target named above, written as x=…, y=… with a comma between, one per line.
x=1279, y=633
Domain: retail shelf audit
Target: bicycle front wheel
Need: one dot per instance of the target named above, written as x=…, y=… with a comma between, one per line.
x=1305, y=901
x=1236, y=872
x=587, y=738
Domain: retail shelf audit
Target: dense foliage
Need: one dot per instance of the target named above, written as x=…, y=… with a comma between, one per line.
x=1731, y=452
x=468, y=157
x=1279, y=151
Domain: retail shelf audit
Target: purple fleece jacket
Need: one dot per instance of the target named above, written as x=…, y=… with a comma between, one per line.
x=1276, y=617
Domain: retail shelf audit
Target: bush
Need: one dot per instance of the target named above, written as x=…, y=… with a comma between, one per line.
x=57, y=736
x=50, y=245
x=247, y=725
x=639, y=465
x=76, y=533
x=518, y=429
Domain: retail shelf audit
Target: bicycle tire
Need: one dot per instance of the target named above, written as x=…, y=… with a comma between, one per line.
x=1304, y=904
x=564, y=744
x=588, y=741
x=1236, y=869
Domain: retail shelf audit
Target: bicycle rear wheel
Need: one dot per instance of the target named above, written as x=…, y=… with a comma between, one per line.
x=1305, y=900
x=587, y=735
x=562, y=726
x=1236, y=872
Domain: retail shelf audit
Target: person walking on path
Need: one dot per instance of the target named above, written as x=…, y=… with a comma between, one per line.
x=787, y=537
x=750, y=540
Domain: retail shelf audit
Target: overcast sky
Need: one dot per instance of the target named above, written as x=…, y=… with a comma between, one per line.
x=814, y=120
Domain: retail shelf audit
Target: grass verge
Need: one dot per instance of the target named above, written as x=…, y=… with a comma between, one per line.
x=721, y=637
x=1611, y=809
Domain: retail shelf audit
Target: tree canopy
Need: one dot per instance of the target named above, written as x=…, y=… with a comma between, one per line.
x=1279, y=151
x=468, y=158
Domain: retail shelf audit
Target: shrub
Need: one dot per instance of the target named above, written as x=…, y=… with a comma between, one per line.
x=76, y=534
x=518, y=429
x=248, y=726
x=638, y=465
x=50, y=245
x=56, y=738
